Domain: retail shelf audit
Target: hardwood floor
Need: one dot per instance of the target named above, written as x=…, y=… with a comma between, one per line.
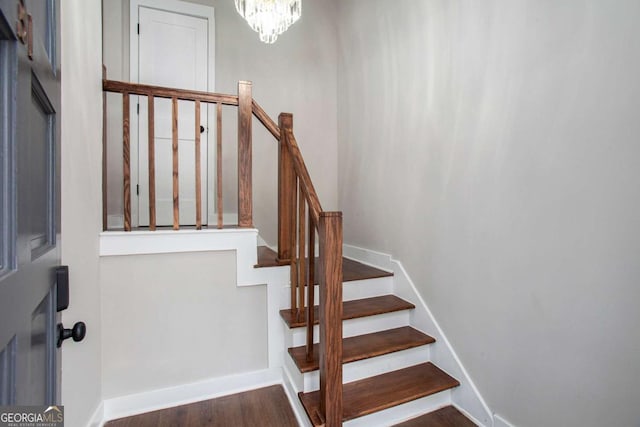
x=267, y=407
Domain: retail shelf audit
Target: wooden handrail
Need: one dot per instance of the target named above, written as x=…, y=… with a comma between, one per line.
x=303, y=175
x=266, y=121
x=166, y=92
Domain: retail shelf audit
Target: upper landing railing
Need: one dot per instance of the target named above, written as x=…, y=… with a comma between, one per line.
x=301, y=220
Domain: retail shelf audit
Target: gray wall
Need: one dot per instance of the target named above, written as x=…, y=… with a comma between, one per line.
x=81, y=203
x=173, y=319
x=492, y=147
x=297, y=74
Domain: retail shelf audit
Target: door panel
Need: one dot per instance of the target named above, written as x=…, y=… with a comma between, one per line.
x=41, y=152
x=30, y=203
x=173, y=52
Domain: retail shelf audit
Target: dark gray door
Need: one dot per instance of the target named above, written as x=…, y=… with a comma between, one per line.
x=29, y=200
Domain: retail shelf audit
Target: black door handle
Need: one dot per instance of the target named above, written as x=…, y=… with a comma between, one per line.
x=201, y=129
x=77, y=333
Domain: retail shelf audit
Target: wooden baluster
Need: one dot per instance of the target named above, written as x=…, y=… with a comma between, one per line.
x=174, y=148
x=245, y=198
x=104, y=152
x=286, y=180
x=198, y=171
x=219, y=162
x=330, y=234
x=126, y=158
x=292, y=248
x=311, y=287
x=152, y=164
x=302, y=276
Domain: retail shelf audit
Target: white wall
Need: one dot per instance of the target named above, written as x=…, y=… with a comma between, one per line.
x=81, y=202
x=173, y=319
x=492, y=147
x=297, y=74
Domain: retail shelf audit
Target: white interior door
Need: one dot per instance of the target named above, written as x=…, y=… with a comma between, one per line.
x=172, y=52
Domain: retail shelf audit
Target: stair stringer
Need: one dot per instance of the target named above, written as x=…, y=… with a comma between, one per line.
x=466, y=397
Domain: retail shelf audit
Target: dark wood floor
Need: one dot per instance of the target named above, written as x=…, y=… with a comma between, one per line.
x=267, y=407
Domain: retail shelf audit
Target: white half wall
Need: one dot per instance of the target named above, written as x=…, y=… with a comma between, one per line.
x=493, y=147
x=178, y=318
x=81, y=221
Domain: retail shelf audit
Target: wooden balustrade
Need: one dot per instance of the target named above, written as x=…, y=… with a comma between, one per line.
x=126, y=159
x=296, y=196
x=219, y=163
x=300, y=215
x=243, y=101
x=152, y=162
x=198, y=171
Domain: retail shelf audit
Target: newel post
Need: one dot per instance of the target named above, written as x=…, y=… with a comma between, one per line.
x=330, y=280
x=286, y=190
x=245, y=197
x=104, y=152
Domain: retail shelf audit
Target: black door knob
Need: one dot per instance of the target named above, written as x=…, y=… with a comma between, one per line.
x=201, y=129
x=77, y=333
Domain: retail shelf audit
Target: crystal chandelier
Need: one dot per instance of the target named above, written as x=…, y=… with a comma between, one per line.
x=269, y=18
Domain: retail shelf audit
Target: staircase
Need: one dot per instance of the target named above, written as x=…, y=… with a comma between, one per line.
x=353, y=354
x=387, y=375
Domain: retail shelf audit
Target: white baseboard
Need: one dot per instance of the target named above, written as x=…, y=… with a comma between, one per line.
x=292, y=393
x=467, y=395
x=498, y=421
x=468, y=415
x=153, y=400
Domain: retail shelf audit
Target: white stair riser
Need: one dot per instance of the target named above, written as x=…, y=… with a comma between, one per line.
x=352, y=327
x=403, y=412
x=373, y=366
x=360, y=289
x=355, y=289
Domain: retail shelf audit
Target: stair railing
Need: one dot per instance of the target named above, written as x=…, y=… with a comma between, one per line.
x=243, y=100
x=297, y=195
x=300, y=216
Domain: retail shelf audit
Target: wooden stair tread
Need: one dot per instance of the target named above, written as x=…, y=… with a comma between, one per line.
x=352, y=309
x=383, y=391
x=365, y=346
x=443, y=417
x=354, y=270
x=351, y=270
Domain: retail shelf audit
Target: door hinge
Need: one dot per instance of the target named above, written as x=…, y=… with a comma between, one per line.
x=138, y=109
x=138, y=28
x=137, y=189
